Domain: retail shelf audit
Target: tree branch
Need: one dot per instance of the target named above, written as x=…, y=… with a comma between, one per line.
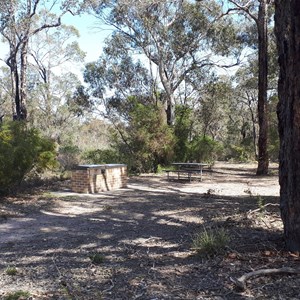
x=240, y=282
x=245, y=8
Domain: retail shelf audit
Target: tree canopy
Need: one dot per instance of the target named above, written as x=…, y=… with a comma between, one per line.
x=194, y=65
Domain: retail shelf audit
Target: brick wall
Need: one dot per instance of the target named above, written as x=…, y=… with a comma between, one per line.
x=100, y=178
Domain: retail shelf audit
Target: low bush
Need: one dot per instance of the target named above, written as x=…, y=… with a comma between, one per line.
x=22, y=151
x=238, y=154
x=205, y=149
x=99, y=156
x=69, y=156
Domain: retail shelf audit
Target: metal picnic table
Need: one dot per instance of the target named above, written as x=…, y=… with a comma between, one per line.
x=188, y=168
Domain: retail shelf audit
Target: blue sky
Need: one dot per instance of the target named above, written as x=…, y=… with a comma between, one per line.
x=92, y=34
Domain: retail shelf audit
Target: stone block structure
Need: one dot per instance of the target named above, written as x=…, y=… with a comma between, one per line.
x=98, y=178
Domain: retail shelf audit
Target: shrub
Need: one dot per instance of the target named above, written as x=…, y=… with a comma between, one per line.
x=151, y=139
x=204, y=149
x=145, y=141
x=22, y=150
x=182, y=131
x=239, y=153
x=98, y=156
x=69, y=156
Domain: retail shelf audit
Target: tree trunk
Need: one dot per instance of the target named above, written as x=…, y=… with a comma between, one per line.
x=287, y=29
x=263, y=157
x=23, y=78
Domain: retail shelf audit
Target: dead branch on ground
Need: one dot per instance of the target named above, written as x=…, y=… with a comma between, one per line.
x=240, y=282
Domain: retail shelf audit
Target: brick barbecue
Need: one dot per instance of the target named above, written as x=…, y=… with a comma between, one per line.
x=98, y=178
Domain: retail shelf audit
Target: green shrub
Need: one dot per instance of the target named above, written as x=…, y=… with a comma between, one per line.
x=22, y=150
x=69, y=156
x=204, y=149
x=182, y=132
x=150, y=138
x=145, y=141
x=98, y=156
x=238, y=153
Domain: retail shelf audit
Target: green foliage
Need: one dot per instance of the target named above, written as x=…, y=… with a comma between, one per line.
x=182, y=132
x=97, y=258
x=11, y=271
x=80, y=102
x=21, y=151
x=98, y=156
x=69, y=156
x=238, y=153
x=17, y=295
x=273, y=148
x=210, y=242
x=204, y=149
x=147, y=140
x=261, y=202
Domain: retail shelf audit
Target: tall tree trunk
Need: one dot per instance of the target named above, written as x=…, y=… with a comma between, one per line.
x=23, y=77
x=170, y=109
x=263, y=157
x=14, y=73
x=287, y=29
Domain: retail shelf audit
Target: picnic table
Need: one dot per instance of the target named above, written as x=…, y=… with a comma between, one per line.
x=188, y=169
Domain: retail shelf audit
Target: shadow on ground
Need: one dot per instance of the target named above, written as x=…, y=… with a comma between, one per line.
x=142, y=237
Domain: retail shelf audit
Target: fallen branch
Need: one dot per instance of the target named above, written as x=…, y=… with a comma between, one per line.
x=261, y=208
x=240, y=282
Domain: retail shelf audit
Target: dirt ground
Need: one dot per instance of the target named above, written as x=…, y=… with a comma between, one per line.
x=136, y=243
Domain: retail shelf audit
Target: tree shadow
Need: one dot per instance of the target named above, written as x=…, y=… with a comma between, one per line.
x=144, y=234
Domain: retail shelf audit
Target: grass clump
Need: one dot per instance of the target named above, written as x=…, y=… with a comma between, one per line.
x=11, y=271
x=107, y=207
x=97, y=258
x=210, y=242
x=261, y=202
x=17, y=295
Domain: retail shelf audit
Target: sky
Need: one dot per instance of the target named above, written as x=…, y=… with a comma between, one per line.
x=92, y=34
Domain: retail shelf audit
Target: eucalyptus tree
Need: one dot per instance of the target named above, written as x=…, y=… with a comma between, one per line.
x=258, y=11
x=17, y=25
x=112, y=79
x=213, y=111
x=246, y=93
x=121, y=88
x=287, y=16
x=178, y=38
x=53, y=52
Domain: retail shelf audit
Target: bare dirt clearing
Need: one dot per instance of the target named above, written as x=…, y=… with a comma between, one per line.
x=142, y=236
